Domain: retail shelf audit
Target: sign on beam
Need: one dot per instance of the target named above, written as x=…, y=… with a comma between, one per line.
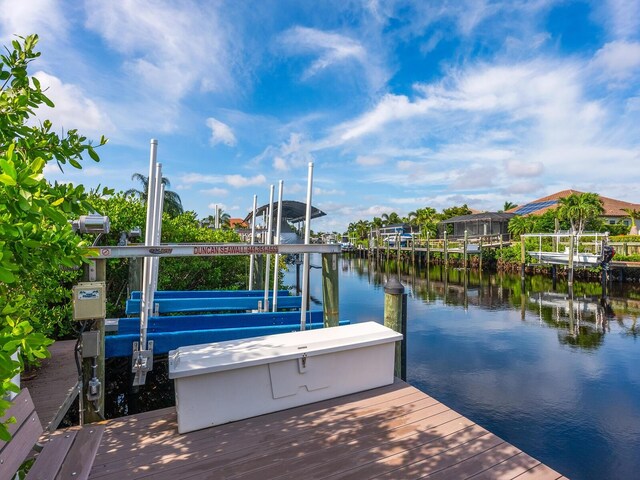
x=208, y=250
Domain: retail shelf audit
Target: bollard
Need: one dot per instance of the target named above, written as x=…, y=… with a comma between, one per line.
x=393, y=315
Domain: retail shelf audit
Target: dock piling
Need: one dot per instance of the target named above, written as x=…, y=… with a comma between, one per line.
x=330, y=289
x=393, y=316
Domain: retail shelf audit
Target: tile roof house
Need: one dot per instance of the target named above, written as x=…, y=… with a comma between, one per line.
x=613, y=209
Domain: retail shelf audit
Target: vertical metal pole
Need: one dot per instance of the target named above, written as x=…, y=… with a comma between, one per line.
x=253, y=241
x=267, y=267
x=146, y=301
x=305, y=257
x=278, y=230
x=216, y=221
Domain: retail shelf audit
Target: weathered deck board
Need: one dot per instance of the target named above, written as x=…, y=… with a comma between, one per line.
x=54, y=384
x=390, y=432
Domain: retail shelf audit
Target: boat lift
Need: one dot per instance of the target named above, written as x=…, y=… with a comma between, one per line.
x=586, y=248
x=153, y=250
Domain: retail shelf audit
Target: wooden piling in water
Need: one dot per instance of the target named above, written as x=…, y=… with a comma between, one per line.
x=428, y=253
x=393, y=314
x=522, y=257
x=464, y=255
x=446, y=252
x=330, y=304
x=572, y=239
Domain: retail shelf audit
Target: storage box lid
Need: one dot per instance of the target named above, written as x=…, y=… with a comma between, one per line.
x=247, y=352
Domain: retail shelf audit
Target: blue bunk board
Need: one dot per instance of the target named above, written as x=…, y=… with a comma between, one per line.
x=209, y=293
x=121, y=345
x=215, y=321
x=172, y=305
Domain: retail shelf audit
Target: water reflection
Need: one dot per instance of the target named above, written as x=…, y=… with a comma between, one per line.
x=550, y=370
x=581, y=315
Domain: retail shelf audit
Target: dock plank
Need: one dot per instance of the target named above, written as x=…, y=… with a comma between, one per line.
x=391, y=432
x=54, y=385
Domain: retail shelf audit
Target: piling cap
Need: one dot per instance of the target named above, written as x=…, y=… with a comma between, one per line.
x=393, y=286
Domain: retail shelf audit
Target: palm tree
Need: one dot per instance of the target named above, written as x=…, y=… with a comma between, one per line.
x=391, y=218
x=519, y=225
x=579, y=209
x=411, y=218
x=426, y=220
x=172, y=202
x=633, y=215
x=508, y=206
x=223, y=219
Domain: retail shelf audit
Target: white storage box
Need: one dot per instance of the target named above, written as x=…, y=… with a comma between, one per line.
x=221, y=382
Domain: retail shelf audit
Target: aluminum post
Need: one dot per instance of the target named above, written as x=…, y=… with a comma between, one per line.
x=305, y=256
x=267, y=267
x=277, y=242
x=253, y=241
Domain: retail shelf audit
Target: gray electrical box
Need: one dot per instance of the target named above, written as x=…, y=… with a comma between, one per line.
x=91, y=344
x=89, y=300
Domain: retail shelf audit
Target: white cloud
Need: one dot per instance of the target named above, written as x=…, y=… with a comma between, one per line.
x=72, y=108
x=191, y=178
x=618, y=59
x=157, y=40
x=240, y=181
x=44, y=17
x=221, y=133
x=369, y=161
x=324, y=191
x=517, y=168
x=334, y=50
x=215, y=191
x=212, y=206
x=622, y=17
x=280, y=163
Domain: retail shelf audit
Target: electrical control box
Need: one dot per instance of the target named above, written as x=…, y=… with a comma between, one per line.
x=89, y=300
x=90, y=344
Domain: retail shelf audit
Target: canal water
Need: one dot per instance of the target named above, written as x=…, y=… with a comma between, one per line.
x=556, y=375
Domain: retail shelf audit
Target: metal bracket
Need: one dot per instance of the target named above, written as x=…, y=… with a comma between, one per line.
x=142, y=362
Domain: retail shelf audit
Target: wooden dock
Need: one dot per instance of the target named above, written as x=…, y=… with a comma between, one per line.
x=55, y=384
x=391, y=432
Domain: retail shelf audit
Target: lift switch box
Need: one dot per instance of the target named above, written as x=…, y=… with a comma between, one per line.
x=89, y=300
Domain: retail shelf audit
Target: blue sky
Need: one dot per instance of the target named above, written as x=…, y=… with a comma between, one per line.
x=399, y=104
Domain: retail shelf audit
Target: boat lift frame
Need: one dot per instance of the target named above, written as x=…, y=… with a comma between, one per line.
x=153, y=250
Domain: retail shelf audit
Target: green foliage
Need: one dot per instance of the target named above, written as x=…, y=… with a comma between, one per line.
x=172, y=202
x=127, y=212
x=579, y=209
x=35, y=236
x=454, y=212
x=627, y=258
x=625, y=238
